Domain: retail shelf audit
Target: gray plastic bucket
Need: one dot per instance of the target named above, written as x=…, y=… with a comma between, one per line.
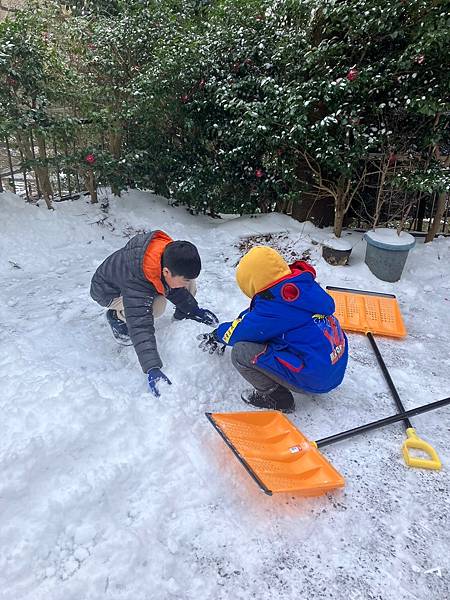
x=385, y=260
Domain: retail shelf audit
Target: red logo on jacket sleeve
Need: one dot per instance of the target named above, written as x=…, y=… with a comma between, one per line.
x=290, y=292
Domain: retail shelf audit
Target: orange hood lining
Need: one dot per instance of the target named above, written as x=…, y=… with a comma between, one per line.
x=151, y=264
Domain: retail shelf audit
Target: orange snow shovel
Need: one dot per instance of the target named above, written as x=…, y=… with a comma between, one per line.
x=280, y=458
x=276, y=454
x=373, y=312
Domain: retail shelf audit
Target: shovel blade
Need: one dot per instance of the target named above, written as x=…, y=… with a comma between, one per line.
x=362, y=311
x=275, y=453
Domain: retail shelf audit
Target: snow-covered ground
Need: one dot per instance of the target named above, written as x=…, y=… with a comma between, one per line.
x=107, y=492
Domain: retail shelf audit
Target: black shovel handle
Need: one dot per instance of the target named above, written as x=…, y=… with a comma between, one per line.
x=388, y=378
x=381, y=422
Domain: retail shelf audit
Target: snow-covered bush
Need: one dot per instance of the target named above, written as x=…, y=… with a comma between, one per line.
x=261, y=100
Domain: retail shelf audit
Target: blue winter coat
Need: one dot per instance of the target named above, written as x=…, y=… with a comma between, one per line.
x=305, y=345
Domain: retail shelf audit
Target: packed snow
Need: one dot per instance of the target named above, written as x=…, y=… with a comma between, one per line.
x=390, y=237
x=338, y=244
x=107, y=492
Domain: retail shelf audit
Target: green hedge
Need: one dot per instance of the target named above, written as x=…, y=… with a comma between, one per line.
x=236, y=105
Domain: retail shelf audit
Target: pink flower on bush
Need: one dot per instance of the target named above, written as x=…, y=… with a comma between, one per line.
x=184, y=98
x=352, y=74
x=420, y=59
x=90, y=159
x=259, y=173
x=392, y=159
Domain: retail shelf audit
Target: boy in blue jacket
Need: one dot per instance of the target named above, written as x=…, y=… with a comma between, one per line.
x=288, y=339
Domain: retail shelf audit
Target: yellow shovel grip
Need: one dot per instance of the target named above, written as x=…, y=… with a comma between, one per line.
x=416, y=443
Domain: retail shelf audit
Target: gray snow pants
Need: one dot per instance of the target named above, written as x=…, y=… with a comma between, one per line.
x=242, y=355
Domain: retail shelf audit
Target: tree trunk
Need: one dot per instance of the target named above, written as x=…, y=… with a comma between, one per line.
x=91, y=185
x=440, y=209
x=41, y=173
x=338, y=221
x=281, y=206
x=339, y=207
x=44, y=178
x=115, y=147
x=380, y=200
x=421, y=212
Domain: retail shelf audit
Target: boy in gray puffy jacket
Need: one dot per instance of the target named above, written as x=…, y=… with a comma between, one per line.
x=135, y=282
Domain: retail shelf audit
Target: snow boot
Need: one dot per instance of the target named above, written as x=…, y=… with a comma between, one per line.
x=119, y=328
x=278, y=399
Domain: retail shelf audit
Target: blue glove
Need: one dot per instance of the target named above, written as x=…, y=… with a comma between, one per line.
x=154, y=376
x=202, y=315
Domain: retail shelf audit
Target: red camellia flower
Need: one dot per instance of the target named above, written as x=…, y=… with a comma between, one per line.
x=184, y=98
x=259, y=173
x=201, y=83
x=352, y=74
x=392, y=159
x=90, y=159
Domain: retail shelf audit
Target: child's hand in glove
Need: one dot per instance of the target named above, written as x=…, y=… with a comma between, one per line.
x=210, y=343
x=203, y=315
x=154, y=377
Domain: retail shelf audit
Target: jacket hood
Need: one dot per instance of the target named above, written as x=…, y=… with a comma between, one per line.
x=301, y=292
x=259, y=268
x=151, y=263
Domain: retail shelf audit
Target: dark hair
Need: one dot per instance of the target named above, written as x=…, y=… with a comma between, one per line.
x=182, y=258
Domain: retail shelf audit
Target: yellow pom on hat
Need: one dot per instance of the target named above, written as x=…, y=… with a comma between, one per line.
x=259, y=268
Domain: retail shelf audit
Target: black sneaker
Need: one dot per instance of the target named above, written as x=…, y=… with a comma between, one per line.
x=279, y=399
x=119, y=328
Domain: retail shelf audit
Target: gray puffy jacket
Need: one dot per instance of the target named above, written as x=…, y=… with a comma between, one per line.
x=121, y=274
